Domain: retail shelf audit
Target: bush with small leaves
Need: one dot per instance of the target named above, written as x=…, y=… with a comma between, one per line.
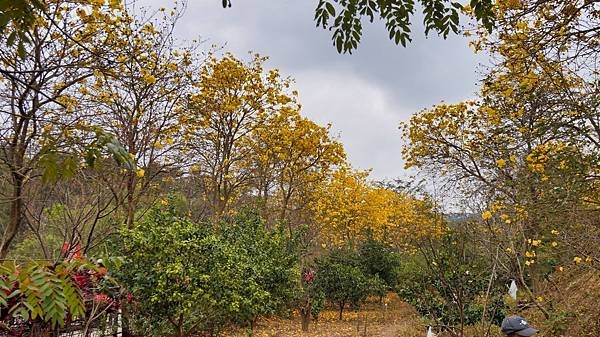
x=194, y=278
x=341, y=280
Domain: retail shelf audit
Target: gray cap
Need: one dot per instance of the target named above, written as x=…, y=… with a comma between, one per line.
x=518, y=325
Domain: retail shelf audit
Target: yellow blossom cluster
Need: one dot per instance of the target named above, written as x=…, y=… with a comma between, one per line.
x=348, y=208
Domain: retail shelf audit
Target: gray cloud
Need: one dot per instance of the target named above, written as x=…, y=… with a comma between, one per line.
x=364, y=95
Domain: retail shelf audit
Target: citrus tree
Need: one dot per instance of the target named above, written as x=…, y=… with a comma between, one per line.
x=191, y=278
x=341, y=280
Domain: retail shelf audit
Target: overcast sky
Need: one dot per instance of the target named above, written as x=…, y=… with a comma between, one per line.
x=365, y=95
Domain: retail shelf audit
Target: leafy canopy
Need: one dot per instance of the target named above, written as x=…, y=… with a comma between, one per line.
x=197, y=277
x=345, y=18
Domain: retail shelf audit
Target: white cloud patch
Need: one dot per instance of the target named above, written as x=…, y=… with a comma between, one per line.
x=366, y=95
x=362, y=114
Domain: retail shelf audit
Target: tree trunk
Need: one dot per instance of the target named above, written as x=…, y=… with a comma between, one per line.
x=130, y=200
x=342, y=305
x=180, y=329
x=287, y=195
x=305, y=313
x=252, y=327
x=15, y=216
x=125, y=331
x=283, y=211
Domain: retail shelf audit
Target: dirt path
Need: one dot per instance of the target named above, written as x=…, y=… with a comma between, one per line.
x=389, y=331
x=398, y=320
x=402, y=322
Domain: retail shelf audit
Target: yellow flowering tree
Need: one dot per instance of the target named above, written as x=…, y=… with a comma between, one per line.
x=234, y=101
x=293, y=154
x=43, y=126
x=141, y=98
x=527, y=149
x=347, y=209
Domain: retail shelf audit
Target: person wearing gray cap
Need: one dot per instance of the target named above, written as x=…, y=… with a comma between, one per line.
x=514, y=326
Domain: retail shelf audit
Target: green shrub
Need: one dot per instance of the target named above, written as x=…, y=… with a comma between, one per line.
x=378, y=260
x=447, y=282
x=341, y=280
x=191, y=278
x=269, y=260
